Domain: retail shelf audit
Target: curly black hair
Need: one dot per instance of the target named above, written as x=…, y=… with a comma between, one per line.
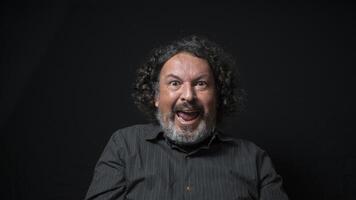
x=229, y=94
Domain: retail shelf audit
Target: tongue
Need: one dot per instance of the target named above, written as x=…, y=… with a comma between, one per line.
x=187, y=116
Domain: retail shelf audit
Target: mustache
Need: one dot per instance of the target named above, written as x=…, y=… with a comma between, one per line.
x=188, y=106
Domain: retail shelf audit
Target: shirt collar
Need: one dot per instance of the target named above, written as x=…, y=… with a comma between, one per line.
x=221, y=137
x=155, y=130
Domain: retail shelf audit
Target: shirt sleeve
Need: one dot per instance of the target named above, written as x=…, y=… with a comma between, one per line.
x=270, y=182
x=108, y=181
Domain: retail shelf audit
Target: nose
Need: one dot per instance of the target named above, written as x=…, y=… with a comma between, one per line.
x=188, y=93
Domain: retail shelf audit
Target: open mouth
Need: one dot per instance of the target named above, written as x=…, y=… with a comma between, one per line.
x=188, y=116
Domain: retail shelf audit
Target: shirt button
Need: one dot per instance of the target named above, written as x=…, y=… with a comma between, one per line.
x=188, y=188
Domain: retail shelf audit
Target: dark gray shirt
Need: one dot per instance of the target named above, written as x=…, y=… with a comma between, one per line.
x=139, y=163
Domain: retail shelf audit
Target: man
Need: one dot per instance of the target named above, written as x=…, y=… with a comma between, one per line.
x=188, y=86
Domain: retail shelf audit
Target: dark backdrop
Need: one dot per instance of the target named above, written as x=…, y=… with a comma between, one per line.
x=67, y=69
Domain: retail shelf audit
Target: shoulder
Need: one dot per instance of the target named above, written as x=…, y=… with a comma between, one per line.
x=241, y=145
x=136, y=132
x=249, y=145
x=130, y=129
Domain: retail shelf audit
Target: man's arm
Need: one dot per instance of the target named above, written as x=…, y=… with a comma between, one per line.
x=108, y=180
x=270, y=182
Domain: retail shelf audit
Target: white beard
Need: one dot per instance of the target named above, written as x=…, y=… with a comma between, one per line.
x=186, y=135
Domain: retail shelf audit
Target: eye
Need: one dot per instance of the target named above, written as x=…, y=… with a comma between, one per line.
x=174, y=83
x=202, y=84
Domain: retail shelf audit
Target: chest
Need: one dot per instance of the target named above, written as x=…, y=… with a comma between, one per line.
x=163, y=173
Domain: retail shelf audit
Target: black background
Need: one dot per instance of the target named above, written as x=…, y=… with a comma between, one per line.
x=67, y=69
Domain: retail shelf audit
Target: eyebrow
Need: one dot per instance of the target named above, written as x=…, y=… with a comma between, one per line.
x=172, y=76
x=177, y=77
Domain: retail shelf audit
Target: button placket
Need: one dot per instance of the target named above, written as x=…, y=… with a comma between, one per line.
x=188, y=188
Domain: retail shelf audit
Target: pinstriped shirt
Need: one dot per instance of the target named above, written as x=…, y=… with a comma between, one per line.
x=139, y=163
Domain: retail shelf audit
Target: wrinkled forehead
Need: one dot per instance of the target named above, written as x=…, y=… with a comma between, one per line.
x=185, y=65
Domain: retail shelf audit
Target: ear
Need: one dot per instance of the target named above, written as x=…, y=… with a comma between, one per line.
x=156, y=102
x=156, y=94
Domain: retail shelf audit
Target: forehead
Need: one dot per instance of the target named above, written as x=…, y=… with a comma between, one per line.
x=185, y=64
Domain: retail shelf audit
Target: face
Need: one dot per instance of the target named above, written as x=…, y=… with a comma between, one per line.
x=186, y=99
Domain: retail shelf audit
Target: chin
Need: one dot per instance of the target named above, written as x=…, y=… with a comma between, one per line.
x=187, y=127
x=189, y=133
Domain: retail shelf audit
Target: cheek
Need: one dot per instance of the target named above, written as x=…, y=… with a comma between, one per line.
x=209, y=103
x=166, y=100
x=212, y=105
